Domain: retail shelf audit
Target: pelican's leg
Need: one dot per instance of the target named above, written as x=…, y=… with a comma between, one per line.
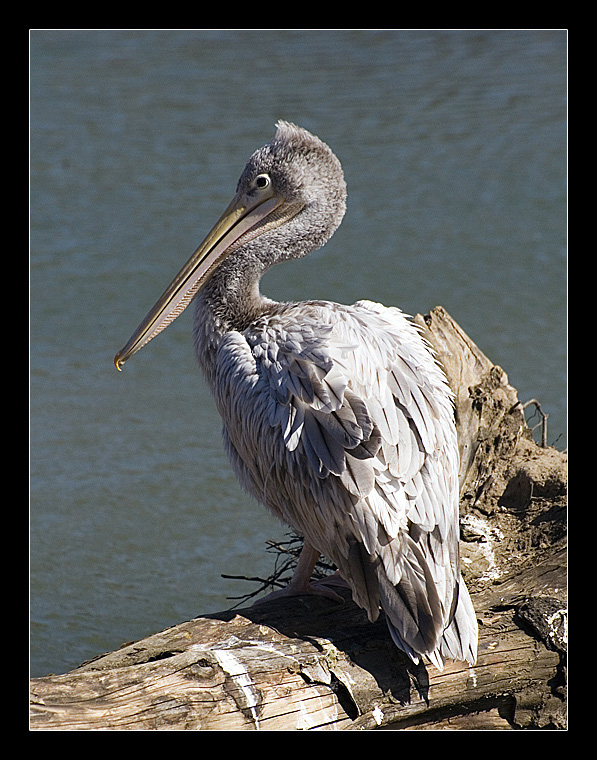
x=300, y=583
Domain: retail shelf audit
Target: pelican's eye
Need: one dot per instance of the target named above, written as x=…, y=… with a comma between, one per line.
x=262, y=181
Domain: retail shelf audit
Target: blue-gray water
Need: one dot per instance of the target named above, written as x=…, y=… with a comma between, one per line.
x=454, y=150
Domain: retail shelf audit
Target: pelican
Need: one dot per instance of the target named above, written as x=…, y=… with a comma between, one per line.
x=337, y=418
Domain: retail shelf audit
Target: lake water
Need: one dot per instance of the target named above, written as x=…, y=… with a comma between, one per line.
x=454, y=150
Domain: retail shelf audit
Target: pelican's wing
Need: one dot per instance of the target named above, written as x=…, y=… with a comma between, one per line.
x=366, y=420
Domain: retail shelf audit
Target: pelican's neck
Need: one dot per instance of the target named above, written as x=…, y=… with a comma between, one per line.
x=230, y=300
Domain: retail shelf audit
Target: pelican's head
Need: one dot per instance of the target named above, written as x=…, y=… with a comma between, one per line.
x=291, y=193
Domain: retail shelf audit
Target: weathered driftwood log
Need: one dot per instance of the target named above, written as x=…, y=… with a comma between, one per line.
x=310, y=663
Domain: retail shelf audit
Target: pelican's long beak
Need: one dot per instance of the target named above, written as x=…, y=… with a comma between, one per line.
x=241, y=216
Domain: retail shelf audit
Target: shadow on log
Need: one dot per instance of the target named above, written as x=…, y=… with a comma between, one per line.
x=309, y=663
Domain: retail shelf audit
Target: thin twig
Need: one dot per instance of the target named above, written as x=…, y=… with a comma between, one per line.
x=543, y=422
x=287, y=554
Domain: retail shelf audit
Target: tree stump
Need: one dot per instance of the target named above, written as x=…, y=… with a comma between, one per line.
x=310, y=663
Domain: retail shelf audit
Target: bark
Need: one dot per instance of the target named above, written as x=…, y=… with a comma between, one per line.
x=310, y=663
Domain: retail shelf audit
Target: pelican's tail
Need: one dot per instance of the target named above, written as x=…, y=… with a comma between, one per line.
x=459, y=641
x=417, y=635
